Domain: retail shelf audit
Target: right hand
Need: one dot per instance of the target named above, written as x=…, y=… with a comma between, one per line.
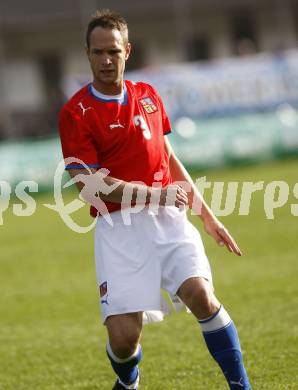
x=173, y=195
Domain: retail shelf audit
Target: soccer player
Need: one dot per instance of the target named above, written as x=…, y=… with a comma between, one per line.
x=120, y=126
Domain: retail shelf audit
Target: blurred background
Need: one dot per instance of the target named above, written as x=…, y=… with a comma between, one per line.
x=227, y=70
x=228, y=73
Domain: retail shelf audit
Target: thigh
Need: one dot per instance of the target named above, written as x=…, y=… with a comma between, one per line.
x=127, y=275
x=182, y=252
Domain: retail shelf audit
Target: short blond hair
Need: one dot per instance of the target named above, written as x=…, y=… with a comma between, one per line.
x=106, y=18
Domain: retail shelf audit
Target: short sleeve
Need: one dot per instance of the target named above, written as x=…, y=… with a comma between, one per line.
x=165, y=120
x=166, y=124
x=77, y=140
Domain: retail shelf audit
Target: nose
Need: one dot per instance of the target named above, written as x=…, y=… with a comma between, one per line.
x=106, y=60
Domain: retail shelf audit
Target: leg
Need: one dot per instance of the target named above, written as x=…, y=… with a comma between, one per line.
x=218, y=329
x=197, y=294
x=123, y=347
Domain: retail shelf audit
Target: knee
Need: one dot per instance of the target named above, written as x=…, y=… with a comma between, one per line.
x=200, y=299
x=207, y=303
x=124, y=344
x=201, y=295
x=124, y=333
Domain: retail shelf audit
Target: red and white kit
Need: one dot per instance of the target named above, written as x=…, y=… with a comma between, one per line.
x=125, y=134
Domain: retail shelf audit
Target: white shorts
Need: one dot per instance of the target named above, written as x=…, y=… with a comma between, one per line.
x=133, y=262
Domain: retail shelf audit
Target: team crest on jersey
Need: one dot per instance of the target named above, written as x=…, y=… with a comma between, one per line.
x=103, y=289
x=148, y=105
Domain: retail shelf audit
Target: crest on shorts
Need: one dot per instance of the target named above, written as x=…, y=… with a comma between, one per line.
x=103, y=289
x=148, y=105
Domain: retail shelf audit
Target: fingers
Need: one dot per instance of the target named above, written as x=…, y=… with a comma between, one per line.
x=226, y=239
x=181, y=197
x=175, y=196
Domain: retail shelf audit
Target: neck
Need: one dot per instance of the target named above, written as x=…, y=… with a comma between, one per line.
x=108, y=89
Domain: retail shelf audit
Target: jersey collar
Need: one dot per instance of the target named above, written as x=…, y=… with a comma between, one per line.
x=120, y=99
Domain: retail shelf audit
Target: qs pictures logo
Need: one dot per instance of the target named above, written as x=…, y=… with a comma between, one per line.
x=94, y=186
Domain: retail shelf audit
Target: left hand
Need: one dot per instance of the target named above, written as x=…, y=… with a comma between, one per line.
x=221, y=235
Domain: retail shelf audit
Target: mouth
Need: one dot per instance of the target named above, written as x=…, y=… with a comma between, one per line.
x=107, y=72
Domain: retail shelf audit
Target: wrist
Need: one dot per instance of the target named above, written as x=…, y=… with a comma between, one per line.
x=140, y=193
x=148, y=194
x=206, y=213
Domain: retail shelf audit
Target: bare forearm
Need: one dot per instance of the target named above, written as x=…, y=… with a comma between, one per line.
x=125, y=192
x=98, y=184
x=211, y=224
x=108, y=188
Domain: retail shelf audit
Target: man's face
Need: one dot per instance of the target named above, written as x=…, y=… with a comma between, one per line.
x=107, y=55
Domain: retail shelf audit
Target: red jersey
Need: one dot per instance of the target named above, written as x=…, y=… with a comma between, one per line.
x=124, y=134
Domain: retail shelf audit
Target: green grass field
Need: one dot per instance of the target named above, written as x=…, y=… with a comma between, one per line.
x=51, y=336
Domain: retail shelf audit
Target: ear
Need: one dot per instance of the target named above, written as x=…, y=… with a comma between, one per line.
x=127, y=51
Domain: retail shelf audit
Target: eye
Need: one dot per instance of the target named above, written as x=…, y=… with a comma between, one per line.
x=114, y=51
x=96, y=51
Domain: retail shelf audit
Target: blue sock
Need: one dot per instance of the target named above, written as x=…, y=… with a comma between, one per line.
x=127, y=370
x=223, y=343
